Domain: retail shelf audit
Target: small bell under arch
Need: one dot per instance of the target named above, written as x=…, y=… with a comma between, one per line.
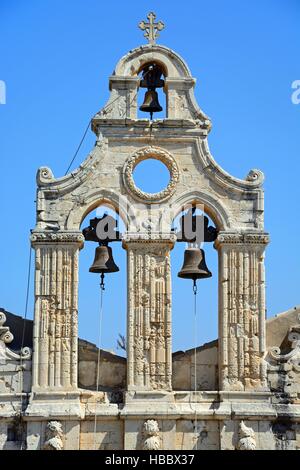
x=103, y=262
x=151, y=80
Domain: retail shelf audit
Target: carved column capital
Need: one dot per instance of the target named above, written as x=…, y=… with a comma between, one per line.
x=241, y=238
x=147, y=238
x=59, y=237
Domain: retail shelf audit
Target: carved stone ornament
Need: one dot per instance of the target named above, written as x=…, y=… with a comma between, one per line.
x=44, y=175
x=151, y=433
x=247, y=439
x=54, y=436
x=255, y=175
x=284, y=369
x=158, y=154
x=236, y=238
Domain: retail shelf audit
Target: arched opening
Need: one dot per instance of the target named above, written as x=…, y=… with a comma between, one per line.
x=106, y=329
x=151, y=99
x=190, y=331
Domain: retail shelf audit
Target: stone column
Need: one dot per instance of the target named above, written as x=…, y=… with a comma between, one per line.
x=149, y=348
x=241, y=310
x=55, y=333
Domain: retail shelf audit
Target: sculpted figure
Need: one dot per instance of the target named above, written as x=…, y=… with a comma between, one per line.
x=54, y=436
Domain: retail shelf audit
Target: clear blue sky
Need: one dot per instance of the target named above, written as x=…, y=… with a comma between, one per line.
x=56, y=57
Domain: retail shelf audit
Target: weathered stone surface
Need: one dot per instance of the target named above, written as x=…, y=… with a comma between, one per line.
x=108, y=436
x=149, y=400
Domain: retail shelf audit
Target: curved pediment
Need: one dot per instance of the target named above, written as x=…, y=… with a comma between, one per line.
x=131, y=63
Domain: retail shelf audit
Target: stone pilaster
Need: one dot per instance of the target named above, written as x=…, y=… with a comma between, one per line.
x=241, y=310
x=55, y=335
x=149, y=348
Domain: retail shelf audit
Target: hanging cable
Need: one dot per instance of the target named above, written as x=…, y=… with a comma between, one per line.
x=78, y=148
x=102, y=288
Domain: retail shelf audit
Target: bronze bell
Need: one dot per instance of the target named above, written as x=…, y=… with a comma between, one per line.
x=103, y=262
x=151, y=103
x=194, y=265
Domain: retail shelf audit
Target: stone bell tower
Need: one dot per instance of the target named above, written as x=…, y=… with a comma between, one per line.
x=179, y=141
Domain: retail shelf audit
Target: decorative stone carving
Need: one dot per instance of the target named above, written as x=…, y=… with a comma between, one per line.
x=151, y=433
x=57, y=237
x=149, y=315
x=152, y=28
x=247, y=439
x=7, y=337
x=44, y=175
x=284, y=368
x=242, y=311
x=255, y=175
x=161, y=155
x=54, y=434
x=56, y=311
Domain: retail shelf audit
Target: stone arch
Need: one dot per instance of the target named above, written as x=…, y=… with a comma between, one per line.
x=95, y=199
x=131, y=63
x=179, y=86
x=212, y=207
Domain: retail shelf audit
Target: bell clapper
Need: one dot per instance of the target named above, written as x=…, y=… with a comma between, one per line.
x=102, y=286
x=195, y=286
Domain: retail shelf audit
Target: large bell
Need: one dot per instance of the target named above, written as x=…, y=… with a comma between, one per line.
x=194, y=265
x=151, y=104
x=103, y=262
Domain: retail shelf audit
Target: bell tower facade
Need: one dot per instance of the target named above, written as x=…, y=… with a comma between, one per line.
x=236, y=206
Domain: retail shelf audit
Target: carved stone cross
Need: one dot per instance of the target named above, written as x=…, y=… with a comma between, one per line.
x=151, y=28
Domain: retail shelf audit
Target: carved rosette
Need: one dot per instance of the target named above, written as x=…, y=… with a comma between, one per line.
x=242, y=310
x=149, y=315
x=158, y=154
x=151, y=435
x=54, y=435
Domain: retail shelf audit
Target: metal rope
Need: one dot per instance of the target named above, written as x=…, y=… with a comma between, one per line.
x=78, y=148
x=99, y=351
x=195, y=359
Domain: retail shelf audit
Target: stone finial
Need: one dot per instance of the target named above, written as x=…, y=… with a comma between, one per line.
x=5, y=335
x=151, y=29
x=54, y=435
x=247, y=439
x=151, y=432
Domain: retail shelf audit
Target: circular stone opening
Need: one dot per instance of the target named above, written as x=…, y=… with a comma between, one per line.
x=151, y=176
